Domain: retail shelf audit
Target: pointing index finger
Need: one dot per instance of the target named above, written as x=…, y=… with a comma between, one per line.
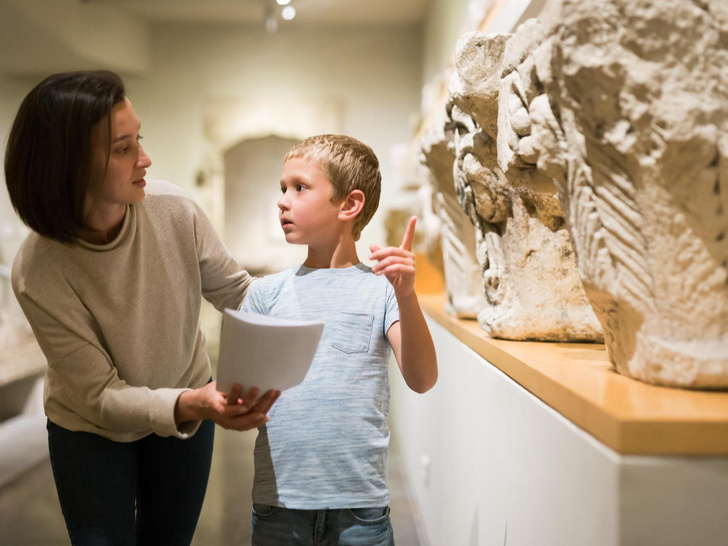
x=409, y=234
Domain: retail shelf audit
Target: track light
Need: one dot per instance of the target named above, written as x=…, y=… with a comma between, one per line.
x=288, y=13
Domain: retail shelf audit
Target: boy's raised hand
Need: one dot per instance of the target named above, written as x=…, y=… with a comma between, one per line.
x=409, y=336
x=397, y=263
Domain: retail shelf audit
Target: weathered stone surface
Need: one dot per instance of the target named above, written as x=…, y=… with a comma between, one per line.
x=532, y=286
x=627, y=106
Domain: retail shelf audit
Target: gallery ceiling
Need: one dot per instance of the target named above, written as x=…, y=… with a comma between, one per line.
x=254, y=11
x=40, y=36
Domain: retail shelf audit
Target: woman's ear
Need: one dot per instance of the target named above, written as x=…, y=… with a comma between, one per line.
x=352, y=205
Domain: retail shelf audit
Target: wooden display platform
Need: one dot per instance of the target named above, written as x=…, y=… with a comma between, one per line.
x=578, y=381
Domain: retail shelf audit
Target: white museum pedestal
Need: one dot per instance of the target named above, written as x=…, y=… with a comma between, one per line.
x=492, y=463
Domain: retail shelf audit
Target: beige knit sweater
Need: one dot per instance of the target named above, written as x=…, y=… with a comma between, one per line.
x=119, y=323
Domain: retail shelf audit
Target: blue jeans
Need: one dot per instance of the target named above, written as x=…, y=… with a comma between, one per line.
x=276, y=526
x=144, y=492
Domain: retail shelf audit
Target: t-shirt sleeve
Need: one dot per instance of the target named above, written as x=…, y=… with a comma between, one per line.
x=391, y=311
x=254, y=301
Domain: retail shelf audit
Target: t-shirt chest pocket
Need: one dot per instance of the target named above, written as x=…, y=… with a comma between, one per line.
x=352, y=332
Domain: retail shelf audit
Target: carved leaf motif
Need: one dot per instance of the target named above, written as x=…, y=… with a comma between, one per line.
x=605, y=207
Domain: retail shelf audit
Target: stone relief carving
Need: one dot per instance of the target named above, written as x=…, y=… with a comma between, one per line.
x=526, y=260
x=623, y=105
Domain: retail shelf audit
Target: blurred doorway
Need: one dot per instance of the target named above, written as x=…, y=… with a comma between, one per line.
x=252, y=189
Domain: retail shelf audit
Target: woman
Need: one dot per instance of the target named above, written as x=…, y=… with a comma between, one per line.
x=110, y=280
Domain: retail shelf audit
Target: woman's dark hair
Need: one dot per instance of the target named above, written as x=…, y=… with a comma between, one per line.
x=49, y=154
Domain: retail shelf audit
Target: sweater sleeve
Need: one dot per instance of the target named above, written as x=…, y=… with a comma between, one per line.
x=224, y=282
x=81, y=378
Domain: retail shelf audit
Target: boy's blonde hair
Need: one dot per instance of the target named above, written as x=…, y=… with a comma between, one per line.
x=349, y=165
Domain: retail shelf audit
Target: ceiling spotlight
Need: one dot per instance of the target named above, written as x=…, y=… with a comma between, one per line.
x=288, y=13
x=283, y=2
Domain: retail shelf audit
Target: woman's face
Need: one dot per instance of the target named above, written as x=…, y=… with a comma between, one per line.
x=123, y=180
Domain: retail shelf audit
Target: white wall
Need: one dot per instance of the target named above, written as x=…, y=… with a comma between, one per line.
x=12, y=91
x=445, y=22
x=376, y=71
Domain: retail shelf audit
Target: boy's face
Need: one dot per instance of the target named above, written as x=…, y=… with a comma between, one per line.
x=307, y=214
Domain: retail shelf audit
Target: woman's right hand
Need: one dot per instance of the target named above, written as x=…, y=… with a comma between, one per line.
x=229, y=411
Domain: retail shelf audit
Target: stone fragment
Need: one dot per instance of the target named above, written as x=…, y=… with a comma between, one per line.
x=532, y=286
x=628, y=102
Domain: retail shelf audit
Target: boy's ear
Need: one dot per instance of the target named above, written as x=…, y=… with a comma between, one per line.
x=352, y=205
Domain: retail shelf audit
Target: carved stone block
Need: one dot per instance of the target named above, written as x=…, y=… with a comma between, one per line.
x=527, y=262
x=623, y=104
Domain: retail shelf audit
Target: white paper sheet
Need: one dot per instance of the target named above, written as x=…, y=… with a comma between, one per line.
x=265, y=352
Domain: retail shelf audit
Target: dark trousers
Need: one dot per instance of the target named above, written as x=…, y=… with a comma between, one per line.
x=138, y=493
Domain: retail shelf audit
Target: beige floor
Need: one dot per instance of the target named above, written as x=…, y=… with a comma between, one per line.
x=30, y=514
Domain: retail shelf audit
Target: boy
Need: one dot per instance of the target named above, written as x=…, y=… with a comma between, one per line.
x=320, y=463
